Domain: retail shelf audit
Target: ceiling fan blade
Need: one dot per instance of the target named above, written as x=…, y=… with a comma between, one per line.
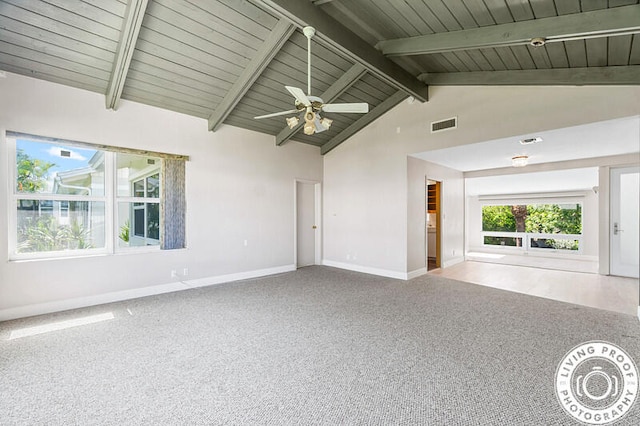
x=359, y=108
x=301, y=98
x=276, y=114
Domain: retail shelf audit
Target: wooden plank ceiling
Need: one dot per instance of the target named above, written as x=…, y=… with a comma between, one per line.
x=228, y=60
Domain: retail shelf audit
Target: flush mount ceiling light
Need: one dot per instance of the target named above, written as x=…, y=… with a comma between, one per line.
x=519, y=161
x=537, y=41
x=530, y=141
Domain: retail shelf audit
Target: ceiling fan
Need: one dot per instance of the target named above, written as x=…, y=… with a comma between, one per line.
x=313, y=105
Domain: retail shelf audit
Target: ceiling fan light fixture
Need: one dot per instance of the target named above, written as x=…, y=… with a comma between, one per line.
x=310, y=115
x=519, y=161
x=292, y=122
x=309, y=128
x=312, y=106
x=326, y=123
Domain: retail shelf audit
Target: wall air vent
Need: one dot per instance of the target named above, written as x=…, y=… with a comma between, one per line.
x=442, y=125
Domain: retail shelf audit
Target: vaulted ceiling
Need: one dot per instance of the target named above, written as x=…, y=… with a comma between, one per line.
x=228, y=60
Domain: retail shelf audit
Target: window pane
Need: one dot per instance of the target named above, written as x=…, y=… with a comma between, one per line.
x=153, y=186
x=554, y=218
x=498, y=219
x=555, y=244
x=47, y=168
x=138, y=188
x=533, y=218
x=41, y=227
x=133, y=171
x=138, y=224
x=153, y=221
x=503, y=241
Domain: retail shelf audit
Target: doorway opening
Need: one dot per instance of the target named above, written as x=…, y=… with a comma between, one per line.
x=433, y=231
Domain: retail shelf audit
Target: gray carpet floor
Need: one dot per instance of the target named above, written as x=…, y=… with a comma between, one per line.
x=318, y=346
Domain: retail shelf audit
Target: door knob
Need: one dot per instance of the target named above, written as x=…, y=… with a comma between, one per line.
x=314, y=227
x=616, y=229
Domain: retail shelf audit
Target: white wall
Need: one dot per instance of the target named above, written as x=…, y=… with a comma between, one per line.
x=365, y=178
x=451, y=214
x=239, y=187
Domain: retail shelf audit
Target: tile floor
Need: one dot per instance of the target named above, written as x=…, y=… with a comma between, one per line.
x=598, y=291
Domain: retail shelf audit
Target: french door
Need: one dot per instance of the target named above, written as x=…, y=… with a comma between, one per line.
x=625, y=219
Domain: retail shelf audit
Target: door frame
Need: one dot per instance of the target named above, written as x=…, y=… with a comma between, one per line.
x=317, y=186
x=614, y=199
x=438, y=248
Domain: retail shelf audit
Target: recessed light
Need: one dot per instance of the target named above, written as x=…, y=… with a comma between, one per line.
x=529, y=141
x=519, y=161
x=537, y=41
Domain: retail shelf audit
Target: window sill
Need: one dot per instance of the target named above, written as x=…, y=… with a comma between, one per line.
x=121, y=252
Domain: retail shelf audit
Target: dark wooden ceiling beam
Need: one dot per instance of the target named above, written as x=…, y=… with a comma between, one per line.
x=598, y=23
x=364, y=121
x=338, y=37
x=267, y=51
x=126, y=45
x=591, y=76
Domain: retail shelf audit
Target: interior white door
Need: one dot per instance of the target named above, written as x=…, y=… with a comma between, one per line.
x=625, y=220
x=306, y=227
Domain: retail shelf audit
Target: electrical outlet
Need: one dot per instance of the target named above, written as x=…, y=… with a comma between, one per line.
x=185, y=272
x=174, y=273
x=246, y=243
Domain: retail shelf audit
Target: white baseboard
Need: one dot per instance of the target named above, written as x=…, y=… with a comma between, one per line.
x=117, y=296
x=203, y=282
x=366, y=269
x=452, y=262
x=416, y=273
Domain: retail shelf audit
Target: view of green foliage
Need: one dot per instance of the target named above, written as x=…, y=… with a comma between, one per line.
x=32, y=172
x=552, y=219
x=44, y=233
x=124, y=232
x=498, y=219
x=538, y=218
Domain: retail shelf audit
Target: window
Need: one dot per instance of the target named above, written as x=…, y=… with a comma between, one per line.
x=71, y=199
x=544, y=227
x=138, y=200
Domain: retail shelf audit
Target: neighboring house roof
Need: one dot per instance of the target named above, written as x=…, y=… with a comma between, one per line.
x=77, y=181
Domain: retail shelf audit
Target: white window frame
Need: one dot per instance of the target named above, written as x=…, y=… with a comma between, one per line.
x=516, y=199
x=109, y=199
x=142, y=175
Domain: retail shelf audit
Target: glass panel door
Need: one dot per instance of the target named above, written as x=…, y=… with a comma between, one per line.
x=625, y=218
